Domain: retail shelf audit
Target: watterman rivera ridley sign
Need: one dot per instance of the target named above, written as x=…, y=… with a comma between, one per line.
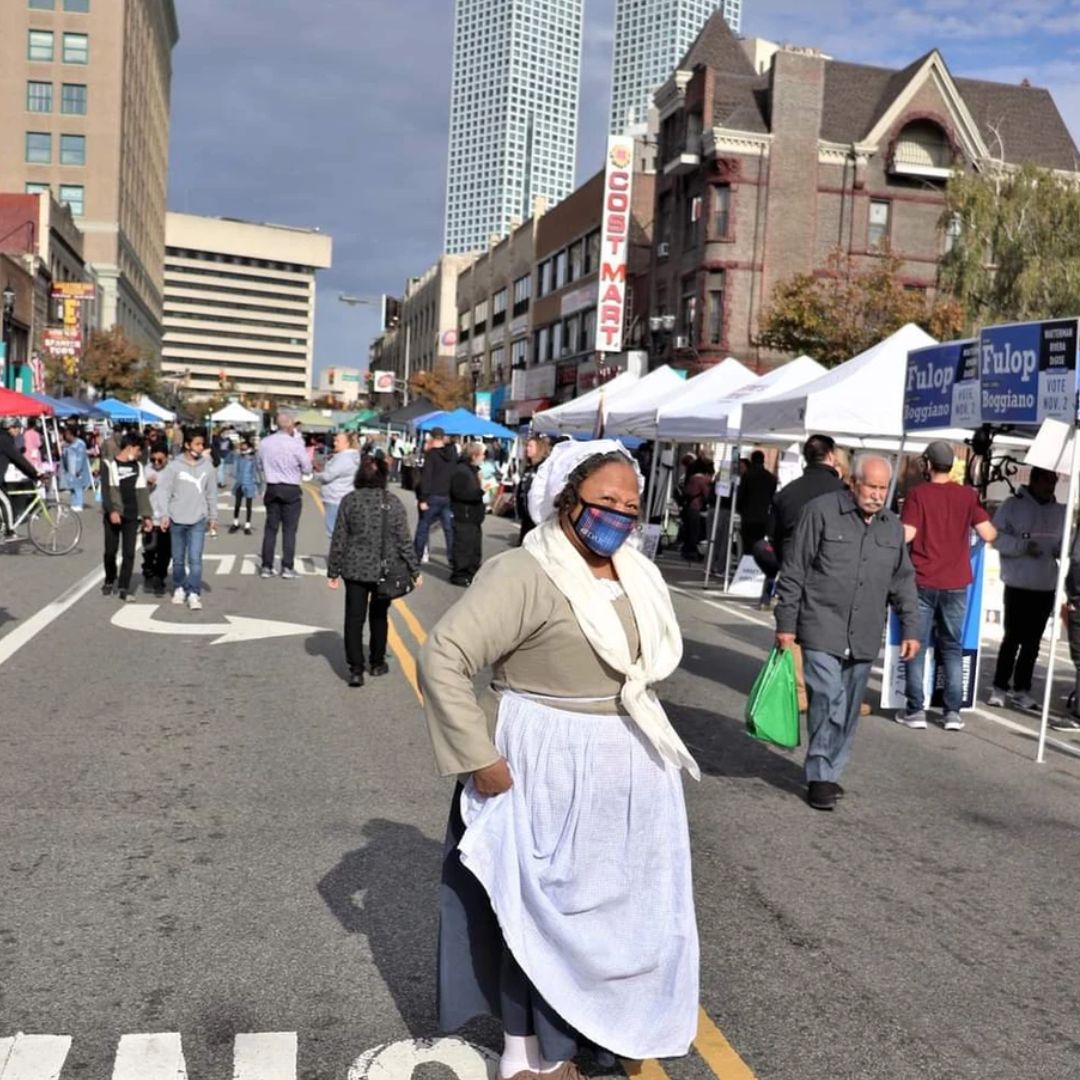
x=614, y=243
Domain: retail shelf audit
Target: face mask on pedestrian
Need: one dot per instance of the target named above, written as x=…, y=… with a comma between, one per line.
x=603, y=530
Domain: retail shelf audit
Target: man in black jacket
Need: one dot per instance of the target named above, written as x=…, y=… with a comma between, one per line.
x=819, y=478
x=433, y=492
x=10, y=455
x=467, y=503
x=753, y=501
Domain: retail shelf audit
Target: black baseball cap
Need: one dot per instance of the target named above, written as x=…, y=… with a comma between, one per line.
x=438, y=433
x=940, y=454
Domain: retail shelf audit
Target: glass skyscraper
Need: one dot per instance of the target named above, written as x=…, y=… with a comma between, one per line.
x=513, y=113
x=651, y=37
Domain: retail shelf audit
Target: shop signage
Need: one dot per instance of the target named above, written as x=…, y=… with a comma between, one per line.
x=1027, y=372
x=942, y=388
x=382, y=382
x=60, y=342
x=614, y=244
x=73, y=290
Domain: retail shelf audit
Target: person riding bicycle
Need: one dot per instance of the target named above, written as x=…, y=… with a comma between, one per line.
x=11, y=462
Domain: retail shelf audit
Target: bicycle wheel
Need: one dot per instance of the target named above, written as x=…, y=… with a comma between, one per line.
x=55, y=530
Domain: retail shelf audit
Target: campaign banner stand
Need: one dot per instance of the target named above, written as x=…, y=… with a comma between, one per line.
x=749, y=581
x=894, y=679
x=942, y=389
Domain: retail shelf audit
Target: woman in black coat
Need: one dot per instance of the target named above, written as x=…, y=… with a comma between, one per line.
x=371, y=541
x=467, y=505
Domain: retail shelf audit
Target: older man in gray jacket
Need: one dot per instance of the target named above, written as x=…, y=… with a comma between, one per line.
x=846, y=563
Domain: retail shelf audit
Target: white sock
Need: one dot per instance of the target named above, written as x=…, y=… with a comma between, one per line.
x=520, y=1053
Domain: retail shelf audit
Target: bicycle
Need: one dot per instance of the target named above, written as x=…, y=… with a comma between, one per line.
x=53, y=528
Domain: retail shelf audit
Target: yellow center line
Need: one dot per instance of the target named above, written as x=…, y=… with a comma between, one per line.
x=646, y=1070
x=405, y=659
x=718, y=1053
x=314, y=493
x=411, y=621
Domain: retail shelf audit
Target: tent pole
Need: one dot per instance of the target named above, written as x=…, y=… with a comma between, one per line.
x=735, y=478
x=1059, y=595
x=893, y=483
x=712, y=543
x=654, y=468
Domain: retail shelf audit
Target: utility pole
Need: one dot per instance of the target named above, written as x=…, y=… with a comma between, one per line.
x=408, y=361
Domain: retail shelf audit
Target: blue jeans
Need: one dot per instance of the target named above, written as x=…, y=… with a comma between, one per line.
x=438, y=506
x=331, y=510
x=187, y=549
x=835, y=688
x=942, y=610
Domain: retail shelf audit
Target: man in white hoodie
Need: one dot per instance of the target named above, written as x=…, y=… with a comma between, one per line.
x=187, y=490
x=1030, y=525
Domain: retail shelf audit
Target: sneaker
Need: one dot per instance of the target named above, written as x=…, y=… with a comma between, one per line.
x=821, y=795
x=288, y=573
x=179, y=596
x=107, y=588
x=996, y=698
x=234, y=527
x=266, y=571
x=916, y=720
x=126, y=597
x=1023, y=700
x=247, y=529
x=952, y=721
x=194, y=602
x=380, y=669
x=10, y=536
x=159, y=587
x=1065, y=723
x=356, y=678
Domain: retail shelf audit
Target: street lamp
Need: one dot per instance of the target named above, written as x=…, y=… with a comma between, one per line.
x=9, y=315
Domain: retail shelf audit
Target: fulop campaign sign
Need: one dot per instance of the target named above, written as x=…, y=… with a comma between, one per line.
x=893, y=683
x=942, y=388
x=1027, y=372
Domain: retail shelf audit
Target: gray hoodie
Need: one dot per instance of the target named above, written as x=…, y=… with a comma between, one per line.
x=188, y=492
x=1019, y=520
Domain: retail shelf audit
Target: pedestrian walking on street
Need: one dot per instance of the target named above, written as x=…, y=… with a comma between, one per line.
x=12, y=464
x=695, y=495
x=247, y=480
x=433, y=492
x=1030, y=526
x=845, y=564
x=125, y=509
x=938, y=519
x=188, y=495
x=371, y=544
x=753, y=501
x=467, y=505
x=75, y=468
x=336, y=480
x=537, y=448
x=567, y=908
x=284, y=464
x=157, y=543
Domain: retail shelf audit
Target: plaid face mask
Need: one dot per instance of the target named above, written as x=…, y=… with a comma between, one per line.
x=603, y=530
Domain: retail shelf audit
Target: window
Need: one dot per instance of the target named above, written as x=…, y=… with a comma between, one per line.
x=878, y=231
x=663, y=230
x=577, y=260
x=562, y=263
x=522, y=292
x=690, y=222
x=39, y=96
x=588, y=330
x=572, y=335
x=543, y=345
x=79, y=7
x=42, y=5
x=72, y=149
x=556, y=341
x=36, y=189
x=544, y=286
x=716, y=307
x=76, y=49
x=498, y=308
x=74, y=195
x=688, y=314
x=953, y=231
x=592, y=252
x=519, y=351
x=721, y=211
x=39, y=147
x=73, y=99
x=41, y=45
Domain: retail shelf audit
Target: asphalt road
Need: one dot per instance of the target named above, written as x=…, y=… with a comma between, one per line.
x=219, y=839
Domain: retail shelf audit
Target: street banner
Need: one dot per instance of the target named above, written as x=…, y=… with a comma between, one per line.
x=1027, y=372
x=942, y=388
x=614, y=244
x=37, y=374
x=893, y=682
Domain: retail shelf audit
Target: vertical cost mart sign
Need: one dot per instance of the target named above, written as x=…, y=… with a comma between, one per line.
x=614, y=243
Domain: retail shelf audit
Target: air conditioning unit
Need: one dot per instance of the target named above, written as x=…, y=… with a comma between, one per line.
x=663, y=250
x=682, y=342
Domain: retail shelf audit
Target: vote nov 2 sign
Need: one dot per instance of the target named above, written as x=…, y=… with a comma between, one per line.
x=942, y=388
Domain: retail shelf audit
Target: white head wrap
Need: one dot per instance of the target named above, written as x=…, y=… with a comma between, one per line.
x=551, y=477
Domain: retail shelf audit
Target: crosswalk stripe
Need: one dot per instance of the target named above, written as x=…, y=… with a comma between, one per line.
x=33, y=1057
x=265, y=1055
x=225, y=563
x=150, y=1057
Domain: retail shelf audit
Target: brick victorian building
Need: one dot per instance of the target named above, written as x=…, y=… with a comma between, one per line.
x=771, y=158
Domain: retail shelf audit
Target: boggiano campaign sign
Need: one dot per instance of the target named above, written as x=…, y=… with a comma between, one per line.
x=942, y=388
x=1027, y=372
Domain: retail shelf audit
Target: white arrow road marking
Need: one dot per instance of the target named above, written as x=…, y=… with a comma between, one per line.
x=225, y=563
x=400, y=1059
x=267, y=1055
x=250, y=564
x=150, y=1057
x=235, y=628
x=33, y=1057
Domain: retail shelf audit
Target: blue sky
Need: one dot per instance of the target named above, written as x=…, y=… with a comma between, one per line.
x=333, y=113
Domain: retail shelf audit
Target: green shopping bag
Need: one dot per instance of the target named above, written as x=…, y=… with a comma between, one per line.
x=772, y=710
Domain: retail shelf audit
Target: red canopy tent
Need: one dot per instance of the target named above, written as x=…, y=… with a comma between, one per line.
x=13, y=403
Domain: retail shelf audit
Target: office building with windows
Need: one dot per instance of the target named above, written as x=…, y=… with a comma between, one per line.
x=651, y=36
x=240, y=307
x=513, y=114
x=84, y=114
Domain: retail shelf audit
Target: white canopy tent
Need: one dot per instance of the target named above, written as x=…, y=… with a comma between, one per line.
x=634, y=412
x=147, y=405
x=235, y=413
x=696, y=416
x=579, y=415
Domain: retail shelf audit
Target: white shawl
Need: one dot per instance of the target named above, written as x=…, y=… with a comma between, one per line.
x=661, y=640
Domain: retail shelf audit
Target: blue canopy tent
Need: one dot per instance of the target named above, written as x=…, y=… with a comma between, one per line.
x=123, y=413
x=463, y=422
x=84, y=409
x=61, y=409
